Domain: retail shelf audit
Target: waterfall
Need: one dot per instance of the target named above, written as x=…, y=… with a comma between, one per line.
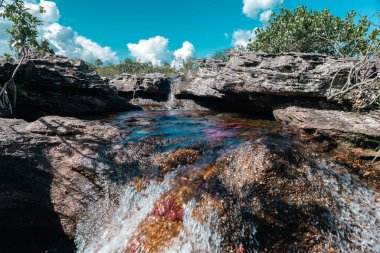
x=174, y=86
x=134, y=93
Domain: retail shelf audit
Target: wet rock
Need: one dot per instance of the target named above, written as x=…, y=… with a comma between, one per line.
x=228, y=185
x=271, y=196
x=51, y=171
x=329, y=122
x=52, y=84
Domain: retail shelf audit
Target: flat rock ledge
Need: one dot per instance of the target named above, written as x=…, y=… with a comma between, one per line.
x=330, y=122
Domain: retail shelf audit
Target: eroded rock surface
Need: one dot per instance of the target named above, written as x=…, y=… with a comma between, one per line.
x=262, y=81
x=55, y=85
x=169, y=181
x=51, y=171
x=154, y=84
x=330, y=122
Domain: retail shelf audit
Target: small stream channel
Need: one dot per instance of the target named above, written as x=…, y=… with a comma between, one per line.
x=203, y=182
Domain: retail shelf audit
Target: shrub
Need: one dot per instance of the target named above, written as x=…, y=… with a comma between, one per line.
x=131, y=66
x=307, y=31
x=221, y=56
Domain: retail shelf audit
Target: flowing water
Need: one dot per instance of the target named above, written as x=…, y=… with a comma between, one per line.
x=200, y=182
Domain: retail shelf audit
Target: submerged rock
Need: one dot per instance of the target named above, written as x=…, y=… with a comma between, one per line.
x=283, y=200
x=55, y=85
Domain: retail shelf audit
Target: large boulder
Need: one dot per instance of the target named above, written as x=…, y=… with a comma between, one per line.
x=51, y=84
x=264, y=81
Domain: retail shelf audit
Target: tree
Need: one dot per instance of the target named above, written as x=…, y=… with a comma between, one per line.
x=7, y=58
x=98, y=62
x=44, y=47
x=221, y=56
x=315, y=32
x=23, y=37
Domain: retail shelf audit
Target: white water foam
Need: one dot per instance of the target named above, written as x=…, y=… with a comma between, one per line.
x=112, y=235
x=195, y=236
x=174, y=86
x=357, y=225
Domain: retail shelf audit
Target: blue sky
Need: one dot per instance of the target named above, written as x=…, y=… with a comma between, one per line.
x=208, y=25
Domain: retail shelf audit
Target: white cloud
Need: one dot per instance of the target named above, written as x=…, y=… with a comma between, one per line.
x=186, y=52
x=154, y=50
x=241, y=38
x=251, y=8
x=265, y=16
x=64, y=40
x=51, y=13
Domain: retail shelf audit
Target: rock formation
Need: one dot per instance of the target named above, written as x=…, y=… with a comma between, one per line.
x=329, y=122
x=255, y=83
x=155, y=84
x=150, y=91
x=51, y=171
x=262, y=81
x=55, y=85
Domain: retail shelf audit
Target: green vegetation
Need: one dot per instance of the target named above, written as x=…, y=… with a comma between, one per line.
x=221, y=55
x=131, y=66
x=23, y=37
x=6, y=58
x=305, y=31
x=308, y=31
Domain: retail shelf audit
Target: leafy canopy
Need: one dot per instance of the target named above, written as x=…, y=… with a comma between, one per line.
x=307, y=31
x=24, y=32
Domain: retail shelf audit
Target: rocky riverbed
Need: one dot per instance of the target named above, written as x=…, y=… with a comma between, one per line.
x=183, y=182
x=298, y=175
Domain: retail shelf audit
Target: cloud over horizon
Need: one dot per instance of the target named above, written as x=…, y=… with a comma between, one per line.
x=156, y=50
x=64, y=40
x=186, y=52
x=241, y=38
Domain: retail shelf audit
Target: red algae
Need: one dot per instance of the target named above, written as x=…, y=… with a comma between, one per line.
x=168, y=209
